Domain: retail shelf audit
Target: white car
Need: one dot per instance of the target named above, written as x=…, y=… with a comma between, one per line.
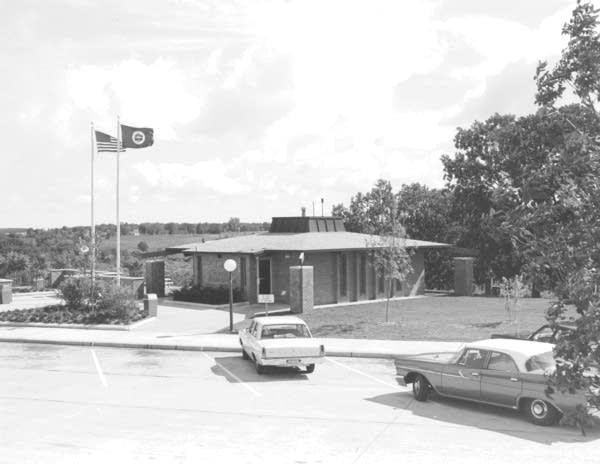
x=283, y=341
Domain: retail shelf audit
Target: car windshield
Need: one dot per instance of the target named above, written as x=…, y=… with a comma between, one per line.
x=540, y=362
x=285, y=331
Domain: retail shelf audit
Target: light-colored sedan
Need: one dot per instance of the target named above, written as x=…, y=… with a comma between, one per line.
x=283, y=341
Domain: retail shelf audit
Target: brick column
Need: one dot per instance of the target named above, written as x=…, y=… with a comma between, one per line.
x=463, y=276
x=301, y=289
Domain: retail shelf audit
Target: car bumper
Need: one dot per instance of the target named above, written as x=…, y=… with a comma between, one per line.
x=291, y=362
x=401, y=381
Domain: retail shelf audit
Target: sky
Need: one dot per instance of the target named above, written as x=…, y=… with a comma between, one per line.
x=258, y=107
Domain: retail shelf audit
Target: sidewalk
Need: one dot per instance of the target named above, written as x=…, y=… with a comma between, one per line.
x=191, y=341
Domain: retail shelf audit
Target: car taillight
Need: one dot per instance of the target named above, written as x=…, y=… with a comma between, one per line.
x=264, y=352
x=322, y=350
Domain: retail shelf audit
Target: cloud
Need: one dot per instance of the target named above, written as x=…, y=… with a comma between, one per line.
x=156, y=94
x=212, y=175
x=256, y=93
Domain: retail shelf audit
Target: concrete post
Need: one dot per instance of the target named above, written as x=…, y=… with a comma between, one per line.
x=301, y=289
x=5, y=291
x=463, y=276
x=155, y=277
x=151, y=304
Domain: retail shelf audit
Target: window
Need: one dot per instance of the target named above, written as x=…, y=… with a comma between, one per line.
x=540, y=362
x=243, y=272
x=285, y=331
x=501, y=362
x=380, y=283
x=343, y=276
x=363, y=274
x=473, y=358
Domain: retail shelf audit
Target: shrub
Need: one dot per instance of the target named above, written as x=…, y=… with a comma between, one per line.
x=207, y=294
x=75, y=292
x=116, y=303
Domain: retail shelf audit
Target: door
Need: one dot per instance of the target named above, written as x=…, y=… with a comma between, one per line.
x=463, y=379
x=500, y=382
x=264, y=276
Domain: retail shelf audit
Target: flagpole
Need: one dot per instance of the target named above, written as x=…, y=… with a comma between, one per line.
x=93, y=225
x=118, y=221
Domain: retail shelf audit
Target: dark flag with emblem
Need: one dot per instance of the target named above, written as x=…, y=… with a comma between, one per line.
x=136, y=137
x=106, y=142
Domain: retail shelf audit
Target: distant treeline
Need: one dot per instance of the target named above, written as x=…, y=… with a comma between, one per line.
x=27, y=253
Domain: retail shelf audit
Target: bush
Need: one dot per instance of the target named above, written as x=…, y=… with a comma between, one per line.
x=112, y=306
x=117, y=303
x=207, y=294
x=75, y=292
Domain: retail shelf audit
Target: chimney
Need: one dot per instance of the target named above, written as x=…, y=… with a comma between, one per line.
x=303, y=211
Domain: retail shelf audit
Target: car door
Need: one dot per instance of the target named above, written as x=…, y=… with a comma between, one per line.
x=500, y=381
x=463, y=379
x=251, y=340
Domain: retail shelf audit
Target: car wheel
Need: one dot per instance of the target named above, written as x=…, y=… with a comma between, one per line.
x=244, y=354
x=541, y=412
x=310, y=368
x=420, y=388
x=260, y=369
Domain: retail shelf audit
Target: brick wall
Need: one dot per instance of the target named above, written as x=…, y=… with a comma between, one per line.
x=209, y=270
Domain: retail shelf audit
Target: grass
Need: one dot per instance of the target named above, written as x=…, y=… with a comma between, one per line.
x=439, y=318
x=155, y=242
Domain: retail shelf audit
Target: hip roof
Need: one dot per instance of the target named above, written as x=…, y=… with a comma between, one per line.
x=307, y=241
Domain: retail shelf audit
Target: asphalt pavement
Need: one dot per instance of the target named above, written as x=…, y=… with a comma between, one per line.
x=72, y=404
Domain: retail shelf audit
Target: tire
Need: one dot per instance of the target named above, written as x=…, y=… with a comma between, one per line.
x=420, y=388
x=540, y=412
x=260, y=369
x=244, y=354
x=310, y=368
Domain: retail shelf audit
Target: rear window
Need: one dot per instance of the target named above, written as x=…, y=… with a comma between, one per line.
x=285, y=331
x=540, y=362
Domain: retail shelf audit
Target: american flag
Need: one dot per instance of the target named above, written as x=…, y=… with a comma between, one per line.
x=106, y=142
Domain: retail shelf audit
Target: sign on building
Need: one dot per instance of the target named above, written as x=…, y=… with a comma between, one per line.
x=266, y=298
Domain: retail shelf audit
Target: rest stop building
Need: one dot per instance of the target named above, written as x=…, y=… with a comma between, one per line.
x=342, y=262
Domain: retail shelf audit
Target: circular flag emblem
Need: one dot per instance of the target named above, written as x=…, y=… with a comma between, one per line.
x=138, y=137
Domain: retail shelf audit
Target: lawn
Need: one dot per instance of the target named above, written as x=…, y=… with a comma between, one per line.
x=155, y=242
x=442, y=318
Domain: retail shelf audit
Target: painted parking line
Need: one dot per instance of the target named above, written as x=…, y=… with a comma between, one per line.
x=364, y=374
x=99, y=369
x=235, y=377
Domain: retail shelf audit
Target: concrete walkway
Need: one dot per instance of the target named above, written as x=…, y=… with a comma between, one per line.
x=31, y=300
x=208, y=342
x=188, y=321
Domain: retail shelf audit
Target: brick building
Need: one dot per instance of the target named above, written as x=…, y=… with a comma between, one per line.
x=343, y=268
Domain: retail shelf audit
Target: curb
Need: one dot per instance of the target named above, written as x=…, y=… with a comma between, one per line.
x=161, y=346
x=144, y=346
x=42, y=325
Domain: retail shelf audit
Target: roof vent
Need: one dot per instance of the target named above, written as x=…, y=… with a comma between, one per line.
x=303, y=224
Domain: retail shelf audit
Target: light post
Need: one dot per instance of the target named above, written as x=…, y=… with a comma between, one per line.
x=230, y=265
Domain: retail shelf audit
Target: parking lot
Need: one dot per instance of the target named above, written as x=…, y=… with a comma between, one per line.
x=76, y=404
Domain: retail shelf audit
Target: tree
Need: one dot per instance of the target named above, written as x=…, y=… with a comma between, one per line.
x=233, y=225
x=424, y=213
x=143, y=246
x=556, y=221
x=390, y=258
x=370, y=213
x=486, y=162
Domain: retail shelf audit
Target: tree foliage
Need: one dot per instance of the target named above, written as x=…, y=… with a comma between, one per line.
x=421, y=211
